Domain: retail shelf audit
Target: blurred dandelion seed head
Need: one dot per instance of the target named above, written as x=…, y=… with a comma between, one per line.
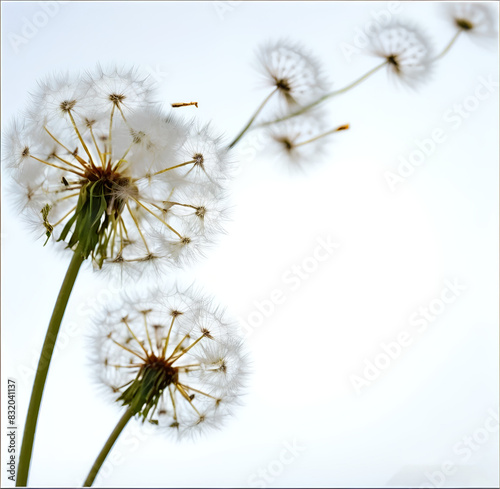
x=408, y=53
x=294, y=73
x=475, y=19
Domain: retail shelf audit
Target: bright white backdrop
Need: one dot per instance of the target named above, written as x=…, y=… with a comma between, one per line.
x=429, y=414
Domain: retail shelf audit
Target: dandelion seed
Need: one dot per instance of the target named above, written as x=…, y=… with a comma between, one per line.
x=209, y=158
x=205, y=209
x=120, y=89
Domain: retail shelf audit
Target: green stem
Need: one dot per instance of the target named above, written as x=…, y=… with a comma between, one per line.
x=250, y=122
x=107, y=447
x=43, y=368
x=325, y=97
x=449, y=45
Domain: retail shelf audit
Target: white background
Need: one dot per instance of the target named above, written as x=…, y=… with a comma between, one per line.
x=396, y=251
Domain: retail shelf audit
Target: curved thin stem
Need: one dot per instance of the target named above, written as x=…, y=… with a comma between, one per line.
x=107, y=447
x=43, y=368
x=304, y=109
x=358, y=81
x=250, y=122
x=449, y=45
x=331, y=131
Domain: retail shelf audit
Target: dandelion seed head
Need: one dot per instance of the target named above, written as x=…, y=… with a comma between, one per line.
x=292, y=71
x=408, y=53
x=475, y=19
x=179, y=340
x=286, y=138
x=100, y=142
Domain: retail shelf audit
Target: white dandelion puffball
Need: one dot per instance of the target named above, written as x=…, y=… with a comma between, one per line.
x=408, y=53
x=97, y=161
x=475, y=19
x=183, y=346
x=294, y=74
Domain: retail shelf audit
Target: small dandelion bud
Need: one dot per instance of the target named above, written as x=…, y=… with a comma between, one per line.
x=173, y=359
x=294, y=74
x=407, y=52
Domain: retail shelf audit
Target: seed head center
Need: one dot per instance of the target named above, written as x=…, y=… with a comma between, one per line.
x=464, y=24
x=168, y=373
